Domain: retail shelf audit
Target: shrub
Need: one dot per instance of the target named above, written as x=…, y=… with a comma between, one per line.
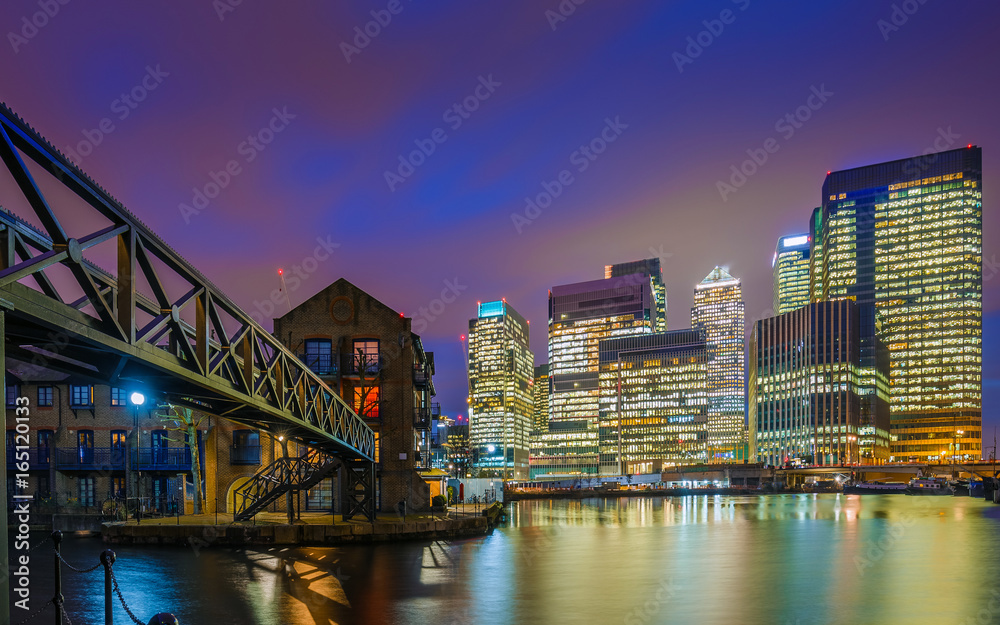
x=439, y=500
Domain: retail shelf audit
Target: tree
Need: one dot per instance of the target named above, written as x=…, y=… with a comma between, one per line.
x=181, y=419
x=366, y=393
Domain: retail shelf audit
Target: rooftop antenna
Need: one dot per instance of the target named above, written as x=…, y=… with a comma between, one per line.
x=284, y=289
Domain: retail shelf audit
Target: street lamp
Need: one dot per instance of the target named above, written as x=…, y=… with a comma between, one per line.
x=136, y=399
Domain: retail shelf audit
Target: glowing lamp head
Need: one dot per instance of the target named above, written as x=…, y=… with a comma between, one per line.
x=491, y=448
x=281, y=439
x=137, y=398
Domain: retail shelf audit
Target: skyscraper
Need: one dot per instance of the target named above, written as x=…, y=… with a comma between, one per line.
x=791, y=273
x=719, y=311
x=805, y=388
x=540, y=394
x=906, y=236
x=580, y=315
x=649, y=267
x=501, y=381
x=654, y=402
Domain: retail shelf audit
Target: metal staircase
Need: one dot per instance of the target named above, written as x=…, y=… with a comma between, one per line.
x=279, y=477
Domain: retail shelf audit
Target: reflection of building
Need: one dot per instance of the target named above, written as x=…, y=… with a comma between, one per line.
x=369, y=355
x=649, y=267
x=501, y=384
x=580, y=316
x=806, y=388
x=906, y=236
x=790, y=269
x=719, y=311
x=654, y=402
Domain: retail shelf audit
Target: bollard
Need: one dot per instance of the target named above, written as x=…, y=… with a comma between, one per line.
x=108, y=559
x=163, y=618
x=57, y=598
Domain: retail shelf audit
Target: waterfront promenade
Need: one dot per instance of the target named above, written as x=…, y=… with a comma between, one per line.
x=313, y=528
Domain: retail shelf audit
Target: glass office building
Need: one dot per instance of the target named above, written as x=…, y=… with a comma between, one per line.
x=654, y=402
x=501, y=385
x=719, y=311
x=580, y=316
x=906, y=236
x=807, y=386
x=649, y=267
x=790, y=269
x=540, y=393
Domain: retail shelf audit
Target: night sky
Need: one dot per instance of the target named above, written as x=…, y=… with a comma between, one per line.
x=532, y=86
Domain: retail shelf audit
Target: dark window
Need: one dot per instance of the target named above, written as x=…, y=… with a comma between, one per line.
x=10, y=443
x=319, y=355
x=44, y=395
x=246, y=447
x=87, y=491
x=85, y=446
x=44, y=446
x=81, y=396
x=44, y=491
x=12, y=395
x=118, y=397
x=159, y=444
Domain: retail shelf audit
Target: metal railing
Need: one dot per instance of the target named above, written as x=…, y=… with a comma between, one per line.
x=147, y=459
x=38, y=458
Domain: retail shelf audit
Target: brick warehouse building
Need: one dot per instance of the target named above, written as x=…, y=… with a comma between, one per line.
x=368, y=353
x=78, y=437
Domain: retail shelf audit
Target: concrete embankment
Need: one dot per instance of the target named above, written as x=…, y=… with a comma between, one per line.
x=585, y=493
x=299, y=534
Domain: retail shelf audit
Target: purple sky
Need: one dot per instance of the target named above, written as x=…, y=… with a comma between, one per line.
x=543, y=92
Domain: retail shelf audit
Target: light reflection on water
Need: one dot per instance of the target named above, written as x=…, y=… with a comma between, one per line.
x=775, y=559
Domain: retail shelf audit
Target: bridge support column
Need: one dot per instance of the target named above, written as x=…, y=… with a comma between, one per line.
x=359, y=489
x=5, y=577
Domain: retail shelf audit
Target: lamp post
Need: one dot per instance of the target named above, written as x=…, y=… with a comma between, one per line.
x=136, y=399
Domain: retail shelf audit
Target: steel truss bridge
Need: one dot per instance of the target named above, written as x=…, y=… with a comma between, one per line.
x=153, y=321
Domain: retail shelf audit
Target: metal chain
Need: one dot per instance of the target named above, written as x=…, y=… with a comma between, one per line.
x=93, y=568
x=37, y=612
x=40, y=543
x=118, y=591
x=66, y=617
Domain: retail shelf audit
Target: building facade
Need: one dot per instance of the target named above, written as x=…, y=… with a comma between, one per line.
x=790, y=269
x=654, y=402
x=541, y=395
x=580, y=316
x=501, y=387
x=806, y=388
x=906, y=236
x=649, y=267
x=368, y=354
x=720, y=312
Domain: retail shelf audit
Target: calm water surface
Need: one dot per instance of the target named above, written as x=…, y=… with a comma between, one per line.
x=775, y=559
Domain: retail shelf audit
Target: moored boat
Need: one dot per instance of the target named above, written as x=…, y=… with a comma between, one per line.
x=932, y=486
x=875, y=488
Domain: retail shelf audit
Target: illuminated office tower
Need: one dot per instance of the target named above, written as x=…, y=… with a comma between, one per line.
x=906, y=236
x=791, y=273
x=650, y=268
x=654, y=402
x=719, y=311
x=804, y=391
x=580, y=315
x=816, y=255
x=540, y=394
x=501, y=381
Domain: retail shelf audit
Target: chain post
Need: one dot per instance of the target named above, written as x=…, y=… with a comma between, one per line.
x=108, y=559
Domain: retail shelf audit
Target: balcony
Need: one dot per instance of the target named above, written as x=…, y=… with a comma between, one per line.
x=421, y=376
x=244, y=454
x=113, y=459
x=422, y=418
x=320, y=364
x=355, y=366
x=37, y=459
